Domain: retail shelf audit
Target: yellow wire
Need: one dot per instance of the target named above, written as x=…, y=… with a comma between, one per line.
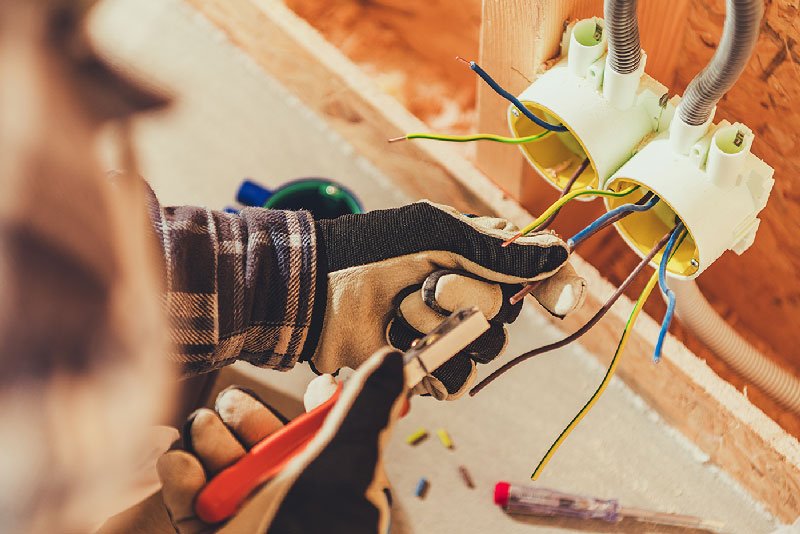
x=606, y=379
x=568, y=197
x=478, y=137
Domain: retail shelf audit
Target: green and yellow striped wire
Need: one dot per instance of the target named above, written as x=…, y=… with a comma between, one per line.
x=475, y=137
x=570, y=196
x=648, y=289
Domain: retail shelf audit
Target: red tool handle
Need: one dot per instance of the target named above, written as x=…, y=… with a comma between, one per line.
x=226, y=492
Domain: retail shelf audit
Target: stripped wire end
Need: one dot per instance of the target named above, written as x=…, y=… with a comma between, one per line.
x=522, y=293
x=464, y=61
x=511, y=240
x=396, y=139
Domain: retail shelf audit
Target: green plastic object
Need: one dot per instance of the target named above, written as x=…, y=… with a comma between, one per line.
x=324, y=198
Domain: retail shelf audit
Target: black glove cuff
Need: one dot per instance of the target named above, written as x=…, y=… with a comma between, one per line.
x=320, y=300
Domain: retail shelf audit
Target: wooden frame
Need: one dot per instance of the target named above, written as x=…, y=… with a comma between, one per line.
x=737, y=436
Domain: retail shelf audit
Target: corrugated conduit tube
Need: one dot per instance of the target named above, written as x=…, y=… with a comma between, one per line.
x=739, y=35
x=624, y=62
x=622, y=32
x=697, y=314
x=706, y=89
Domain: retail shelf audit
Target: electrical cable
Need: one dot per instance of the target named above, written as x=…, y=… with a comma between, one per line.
x=469, y=138
x=611, y=217
x=606, y=379
x=662, y=282
x=567, y=188
x=615, y=360
x=519, y=295
x=558, y=204
x=511, y=98
x=583, y=329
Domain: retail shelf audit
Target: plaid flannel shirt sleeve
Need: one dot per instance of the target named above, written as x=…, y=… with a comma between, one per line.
x=238, y=287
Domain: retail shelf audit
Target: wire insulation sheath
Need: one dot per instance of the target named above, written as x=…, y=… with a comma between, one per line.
x=582, y=330
x=677, y=236
x=514, y=100
x=606, y=379
x=609, y=217
x=558, y=204
x=478, y=137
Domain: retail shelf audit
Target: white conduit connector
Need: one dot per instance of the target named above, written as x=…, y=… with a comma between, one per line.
x=700, y=317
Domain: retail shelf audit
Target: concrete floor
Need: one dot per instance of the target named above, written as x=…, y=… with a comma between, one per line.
x=231, y=121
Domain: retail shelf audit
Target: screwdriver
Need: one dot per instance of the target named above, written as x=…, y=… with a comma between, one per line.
x=527, y=500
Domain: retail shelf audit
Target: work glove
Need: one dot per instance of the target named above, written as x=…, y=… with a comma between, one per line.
x=393, y=275
x=336, y=484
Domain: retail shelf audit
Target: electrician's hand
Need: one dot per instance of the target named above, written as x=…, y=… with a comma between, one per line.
x=336, y=484
x=394, y=275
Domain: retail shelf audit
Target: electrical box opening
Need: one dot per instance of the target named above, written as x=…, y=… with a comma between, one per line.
x=557, y=155
x=644, y=229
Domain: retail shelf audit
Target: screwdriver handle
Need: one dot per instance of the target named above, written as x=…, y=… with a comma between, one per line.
x=529, y=500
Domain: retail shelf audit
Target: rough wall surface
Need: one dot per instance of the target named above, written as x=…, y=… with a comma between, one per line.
x=408, y=46
x=760, y=291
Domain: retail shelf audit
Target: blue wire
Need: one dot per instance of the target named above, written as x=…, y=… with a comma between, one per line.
x=511, y=98
x=601, y=221
x=662, y=282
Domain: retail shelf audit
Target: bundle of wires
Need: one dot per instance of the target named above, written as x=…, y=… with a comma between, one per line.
x=675, y=237
x=671, y=240
x=647, y=202
x=557, y=205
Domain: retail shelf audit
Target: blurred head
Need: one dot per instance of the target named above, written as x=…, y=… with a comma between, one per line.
x=82, y=342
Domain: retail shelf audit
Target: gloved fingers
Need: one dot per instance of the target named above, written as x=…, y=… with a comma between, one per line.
x=450, y=380
x=182, y=477
x=400, y=334
x=488, y=345
x=247, y=416
x=493, y=223
x=477, y=245
x=340, y=482
x=207, y=437
x=419, y=315
x=562, y=293
x=446, y=291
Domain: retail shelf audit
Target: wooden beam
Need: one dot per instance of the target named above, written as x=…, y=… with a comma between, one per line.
x=738, y=437
x=517, y=36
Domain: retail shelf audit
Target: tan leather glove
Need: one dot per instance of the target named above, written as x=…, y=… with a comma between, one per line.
x=335, y=485
x=393, y=275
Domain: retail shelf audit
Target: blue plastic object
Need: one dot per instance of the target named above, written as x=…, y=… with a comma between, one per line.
x=252, y=194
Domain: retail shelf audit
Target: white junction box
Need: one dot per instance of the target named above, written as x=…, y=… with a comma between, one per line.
x=625, y=124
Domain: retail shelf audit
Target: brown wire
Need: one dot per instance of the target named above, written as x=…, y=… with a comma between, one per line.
x=519, y=295
x=583, y=329
x=567, y=188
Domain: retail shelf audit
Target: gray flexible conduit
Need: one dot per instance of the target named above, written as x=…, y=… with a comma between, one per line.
x=622, y=32
x=739, y=35
x=712, y=329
